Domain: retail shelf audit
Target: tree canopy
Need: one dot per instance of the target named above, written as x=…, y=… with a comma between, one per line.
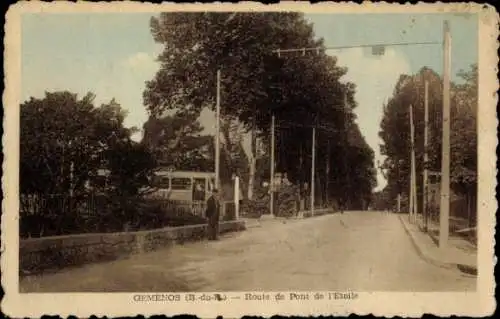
x=301, y=91
x=464, y=132
x=395, y=130
x=65, y=141
x=176, y=141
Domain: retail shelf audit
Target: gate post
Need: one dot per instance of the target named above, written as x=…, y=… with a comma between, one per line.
x=236, y=197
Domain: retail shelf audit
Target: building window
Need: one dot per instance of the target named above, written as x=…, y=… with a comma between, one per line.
x=161, y=182
x=181, y=183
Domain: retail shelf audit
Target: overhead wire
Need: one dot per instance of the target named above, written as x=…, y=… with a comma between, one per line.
x=321, y=48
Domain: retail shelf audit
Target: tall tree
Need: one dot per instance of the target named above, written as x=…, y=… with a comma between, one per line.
x=58, y=135
x=256, y=83
x=395, y=130
x=235, y=159
x=64, y=142
x=464, y=132
x=177, y=141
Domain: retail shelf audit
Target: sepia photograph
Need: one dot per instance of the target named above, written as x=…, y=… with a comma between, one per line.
x=281, y=154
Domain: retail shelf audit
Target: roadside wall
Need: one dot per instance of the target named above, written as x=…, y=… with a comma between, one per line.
x=53, y=253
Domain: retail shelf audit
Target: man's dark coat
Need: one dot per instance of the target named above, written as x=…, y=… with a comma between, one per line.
x=212, y=214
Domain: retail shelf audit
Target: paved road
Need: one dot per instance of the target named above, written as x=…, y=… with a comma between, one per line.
x=362, y=251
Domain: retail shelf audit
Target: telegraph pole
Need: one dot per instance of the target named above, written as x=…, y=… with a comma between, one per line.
x=426, y=155
x=398, y=203
x=344, y=157
x=313, y=168
x=217, y=133
x=327, y=173
x=398, y=167
x=412, y=167
x=410, y=191
x=71, y=172
x=415, y=198
x=377, y=49
x=252, y=160
x=445, y=158
x=271, y=179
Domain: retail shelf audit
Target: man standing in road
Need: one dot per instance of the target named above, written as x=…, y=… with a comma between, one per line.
x=341, y=205
x=212, y=214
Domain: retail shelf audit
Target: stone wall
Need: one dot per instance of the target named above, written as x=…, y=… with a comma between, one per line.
x=53, y=253
x=317, y=212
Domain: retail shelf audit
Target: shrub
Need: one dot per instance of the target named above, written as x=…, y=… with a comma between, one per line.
x=286, y=201
x=229, y=212
x=103, y=214
x=157, y=213
x=256, y=207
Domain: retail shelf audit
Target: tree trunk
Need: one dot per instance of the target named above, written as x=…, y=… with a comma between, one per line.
x=301, y=181
x=327, y=175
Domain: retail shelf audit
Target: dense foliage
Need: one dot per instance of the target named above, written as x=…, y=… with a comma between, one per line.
x=301, y=91
x=80, y=171
x=395, y=131
x=176, y=141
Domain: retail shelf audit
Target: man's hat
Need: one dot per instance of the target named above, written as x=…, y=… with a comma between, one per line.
x=215, y=190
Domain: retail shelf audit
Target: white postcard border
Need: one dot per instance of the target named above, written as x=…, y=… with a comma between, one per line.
x=479, y=303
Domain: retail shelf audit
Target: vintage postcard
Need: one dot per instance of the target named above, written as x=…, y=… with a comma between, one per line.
x=249, y=159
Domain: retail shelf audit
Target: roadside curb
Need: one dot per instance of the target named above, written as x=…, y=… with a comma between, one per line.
x=426, y=257
x=251, y=223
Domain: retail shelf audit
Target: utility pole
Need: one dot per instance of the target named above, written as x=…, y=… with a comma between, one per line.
x=377, y=49
x=412, y=174
x=415, y=198
x=236, y=197
x=426, y=155
x=445, y=158
x=71, y=172
x=344, y=157
x=302, y=205
x=398, y=203
x=313, y=168
x=253, y=157
x=271, y=179
x=327, y=173
x=217, y=133
x=398, y=168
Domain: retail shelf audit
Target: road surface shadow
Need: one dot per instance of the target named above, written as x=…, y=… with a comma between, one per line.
x=151, y=272
x=469, y=270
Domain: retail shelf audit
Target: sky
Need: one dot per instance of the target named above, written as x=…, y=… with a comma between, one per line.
x=113, y=54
